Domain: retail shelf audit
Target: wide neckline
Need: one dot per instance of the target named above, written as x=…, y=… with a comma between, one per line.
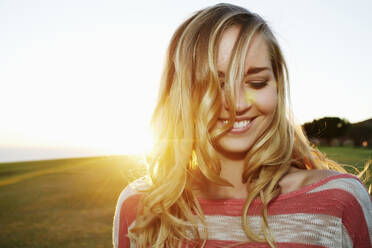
x=307, y=188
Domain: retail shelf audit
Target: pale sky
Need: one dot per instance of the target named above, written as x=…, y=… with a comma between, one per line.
x=80, y=78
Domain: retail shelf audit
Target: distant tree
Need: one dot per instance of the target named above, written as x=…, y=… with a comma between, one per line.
x=327, y=128
x=360, y=134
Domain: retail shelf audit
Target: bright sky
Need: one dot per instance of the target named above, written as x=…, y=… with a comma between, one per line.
x=80, y=77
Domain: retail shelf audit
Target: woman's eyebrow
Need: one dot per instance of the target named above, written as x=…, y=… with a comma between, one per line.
x=252, y=70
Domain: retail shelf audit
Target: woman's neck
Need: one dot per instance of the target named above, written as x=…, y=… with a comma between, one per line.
x=231, y=171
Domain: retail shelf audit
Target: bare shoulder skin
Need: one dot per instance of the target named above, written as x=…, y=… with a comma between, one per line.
x=294, y=180
x=298, y=178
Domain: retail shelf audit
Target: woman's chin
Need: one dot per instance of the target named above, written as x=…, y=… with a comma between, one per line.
x=233, y=152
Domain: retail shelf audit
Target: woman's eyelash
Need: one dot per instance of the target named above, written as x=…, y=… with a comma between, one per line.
x=257, y=84
x=253, y=84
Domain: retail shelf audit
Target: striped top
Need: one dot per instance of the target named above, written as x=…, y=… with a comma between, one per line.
x=334, y=212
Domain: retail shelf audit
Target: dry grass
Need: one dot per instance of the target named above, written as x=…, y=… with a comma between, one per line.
x=69, y=205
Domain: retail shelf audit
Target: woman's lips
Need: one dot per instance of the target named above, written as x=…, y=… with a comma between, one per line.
x=241, y=125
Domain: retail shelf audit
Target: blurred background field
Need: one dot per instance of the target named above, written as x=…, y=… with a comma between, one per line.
x=62, y=203
x=71, y=202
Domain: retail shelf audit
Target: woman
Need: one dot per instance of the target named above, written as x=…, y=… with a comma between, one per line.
x=230, y=168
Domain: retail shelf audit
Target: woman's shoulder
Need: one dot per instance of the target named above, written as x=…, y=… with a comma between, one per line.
x=326, y=182
x=345, y=185
x=126, y=207
x=321, y=180
x=129, y=198
x=299, y=178
x=133, y=189
x=343, y=195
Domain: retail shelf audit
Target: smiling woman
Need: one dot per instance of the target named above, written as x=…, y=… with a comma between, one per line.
x=229, y=165
x=256, y=94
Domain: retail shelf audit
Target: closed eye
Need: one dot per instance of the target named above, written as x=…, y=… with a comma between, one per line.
x=252, y=84
x=257, y=84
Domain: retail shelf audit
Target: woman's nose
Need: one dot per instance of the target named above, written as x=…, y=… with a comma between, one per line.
x=243, y=101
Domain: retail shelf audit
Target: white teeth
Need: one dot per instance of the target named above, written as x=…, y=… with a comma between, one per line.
x=238, y=124
x=241, y=124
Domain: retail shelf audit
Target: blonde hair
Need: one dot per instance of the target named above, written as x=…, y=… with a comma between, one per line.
x=185, y=135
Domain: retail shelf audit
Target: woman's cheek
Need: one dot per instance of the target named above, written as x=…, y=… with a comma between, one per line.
x=267, y=100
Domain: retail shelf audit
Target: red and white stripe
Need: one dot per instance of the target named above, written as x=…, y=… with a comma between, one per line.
x=335, y=212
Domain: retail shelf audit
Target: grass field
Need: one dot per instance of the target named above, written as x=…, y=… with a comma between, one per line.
x=71, y=202
x=350, y=156
x=62, y=203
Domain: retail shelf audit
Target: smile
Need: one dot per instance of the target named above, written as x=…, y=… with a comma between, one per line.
x=240, y=126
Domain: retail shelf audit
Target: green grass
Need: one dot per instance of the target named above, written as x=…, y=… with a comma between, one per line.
x=72, y=205
x=357, y=157
x=71, y=202
x=348, y=155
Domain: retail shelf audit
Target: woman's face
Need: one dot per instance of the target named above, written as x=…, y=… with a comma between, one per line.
x=255, y=97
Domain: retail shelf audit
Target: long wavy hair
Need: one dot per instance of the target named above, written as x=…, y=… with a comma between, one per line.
x=185, y=134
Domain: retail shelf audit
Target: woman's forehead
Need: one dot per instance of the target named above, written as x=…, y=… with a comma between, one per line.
x=257, y=55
